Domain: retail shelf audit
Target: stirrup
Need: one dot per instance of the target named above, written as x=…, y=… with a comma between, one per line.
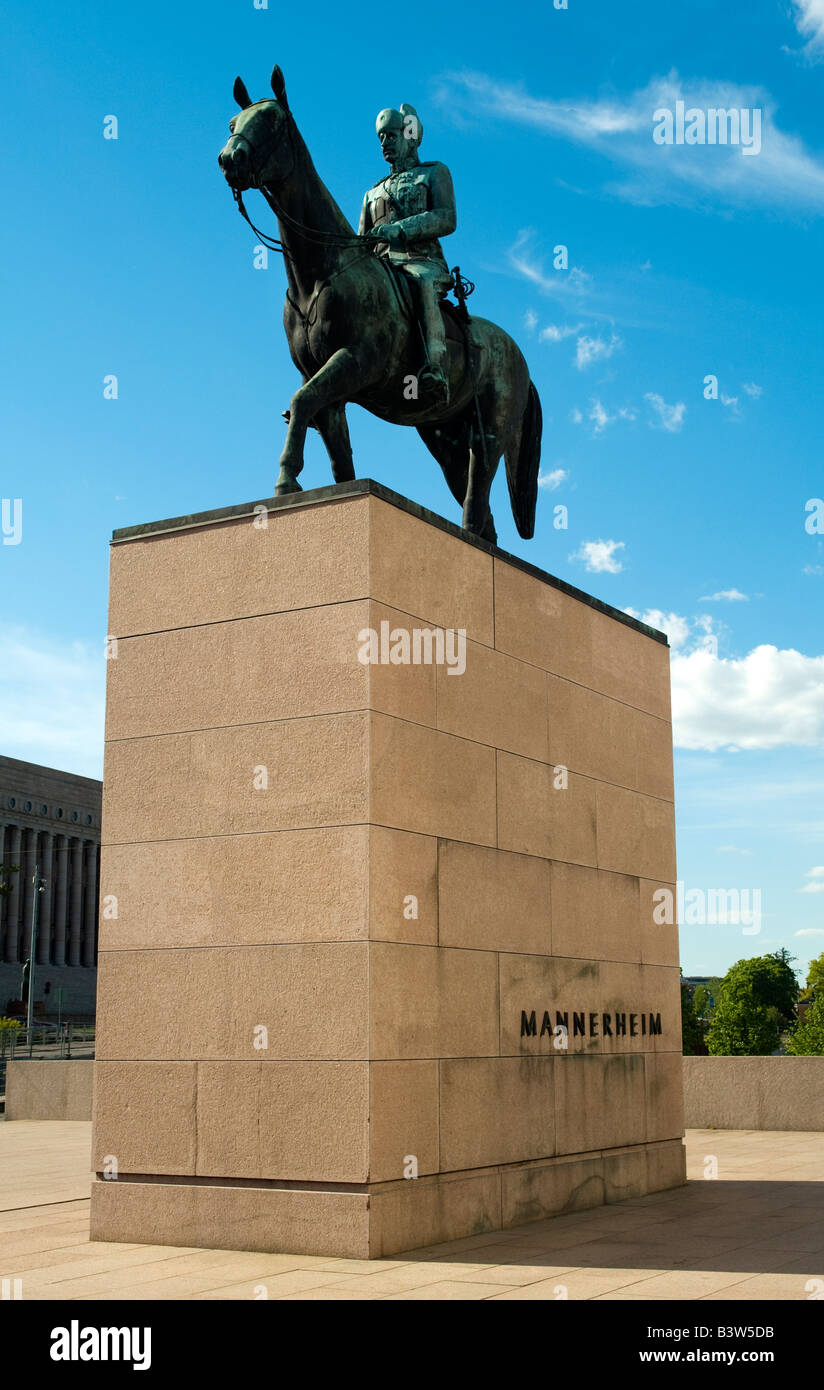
x=435, y=383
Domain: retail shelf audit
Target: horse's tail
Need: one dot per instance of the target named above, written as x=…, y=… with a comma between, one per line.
x=522, y=470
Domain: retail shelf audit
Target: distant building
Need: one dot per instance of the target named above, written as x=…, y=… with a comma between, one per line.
x=693, y=981
x=50, y=819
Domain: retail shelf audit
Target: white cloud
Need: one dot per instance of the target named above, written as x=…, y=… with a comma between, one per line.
x=809, y=21
x=706, y=635
x=676, y=628
x=552, y=481
x=530, y=321
x=752, y=390
x=554, y=333
x=726, y=596
x=809, y=931
x=671, y=417
x=731, y=402
x=600, y=417
x=783, y=174
x=589, y=350
x=813, y=569
x=767, y=699
x=52, y=701
x=600, y=556
x=732, y=849
x=522, y=256
x=816, y=880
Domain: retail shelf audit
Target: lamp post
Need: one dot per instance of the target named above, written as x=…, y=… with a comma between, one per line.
x=39, y=887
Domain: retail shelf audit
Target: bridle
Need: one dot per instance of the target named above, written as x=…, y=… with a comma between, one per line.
x=313, y=234
x=366, y=247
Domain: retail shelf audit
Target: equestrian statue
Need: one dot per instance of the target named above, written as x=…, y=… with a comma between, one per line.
x=368, y=321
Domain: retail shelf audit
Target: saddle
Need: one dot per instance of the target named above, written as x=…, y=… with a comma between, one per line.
x=457, y=321
x=455, y=315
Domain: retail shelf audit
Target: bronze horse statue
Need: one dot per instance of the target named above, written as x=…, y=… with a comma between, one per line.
x=353, y=335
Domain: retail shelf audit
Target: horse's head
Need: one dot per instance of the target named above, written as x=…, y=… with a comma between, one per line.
x=259, y=150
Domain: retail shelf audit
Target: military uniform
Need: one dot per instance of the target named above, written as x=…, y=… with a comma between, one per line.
x=420, y=202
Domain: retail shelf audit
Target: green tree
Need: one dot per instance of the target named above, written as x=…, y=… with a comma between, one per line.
x=701, y=1000
x=807, y=1038
x=5, y=882
x=780, y=987
x=756, y=1003
x=815, y=978
x=714, y=989
x=692, y=1034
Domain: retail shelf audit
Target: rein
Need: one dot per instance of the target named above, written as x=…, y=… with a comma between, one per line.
x=320, y=238
x=272, y=242
x=461, y=286
x=313, y=234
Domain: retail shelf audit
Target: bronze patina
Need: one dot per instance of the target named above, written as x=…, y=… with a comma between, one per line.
x=406, y=213
x=367, y=320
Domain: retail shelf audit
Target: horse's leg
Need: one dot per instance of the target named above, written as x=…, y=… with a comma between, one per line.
x=483, y=465
x=327, y=387
x=489, y=533
x=454, y=455
x=334, y=431
x=452, y=452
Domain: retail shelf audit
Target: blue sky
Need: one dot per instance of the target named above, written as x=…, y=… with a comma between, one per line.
x=126, y=256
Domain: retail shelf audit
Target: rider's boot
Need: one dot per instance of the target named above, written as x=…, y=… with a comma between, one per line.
x=433, y=382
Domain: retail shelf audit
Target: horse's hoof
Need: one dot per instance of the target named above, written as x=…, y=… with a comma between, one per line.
x=282, y=489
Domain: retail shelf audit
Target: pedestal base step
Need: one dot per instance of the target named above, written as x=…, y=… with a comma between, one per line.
x=377, y=1219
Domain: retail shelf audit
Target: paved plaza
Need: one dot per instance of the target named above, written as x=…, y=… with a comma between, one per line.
x=756, y=1231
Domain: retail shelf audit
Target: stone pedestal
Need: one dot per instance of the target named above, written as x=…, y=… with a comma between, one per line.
x=384, y=969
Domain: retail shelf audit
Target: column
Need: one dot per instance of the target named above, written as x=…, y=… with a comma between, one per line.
x=4, y=902
x=3, y=897
x=13, y=934
x=28, y=859
x=76, y=912
x=90, y=907
x=60, y=869
x=44, y=913
x=4, y=859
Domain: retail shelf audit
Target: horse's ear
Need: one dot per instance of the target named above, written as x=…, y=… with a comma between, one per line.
x=279, y=87
x=240, y=94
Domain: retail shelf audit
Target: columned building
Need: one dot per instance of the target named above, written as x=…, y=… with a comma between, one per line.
x=50, y=820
